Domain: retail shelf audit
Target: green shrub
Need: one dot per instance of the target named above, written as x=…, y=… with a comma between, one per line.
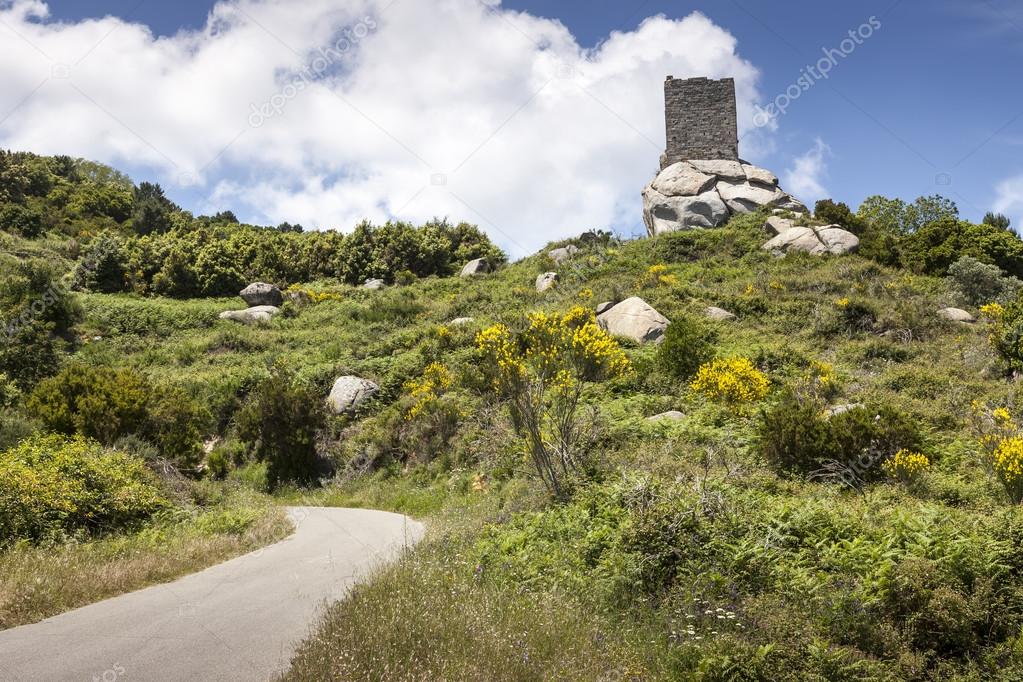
x=934, y=247
x=51, y=486
x=97, y=402
x=688, y=343
x=107, y=404
x=21, y=220
x=838, y=214
x=980, y=283
x=797, y=436
x=1007, y=333
x=280, y=421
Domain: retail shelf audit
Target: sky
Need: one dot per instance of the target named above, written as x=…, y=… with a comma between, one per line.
x=535, y=120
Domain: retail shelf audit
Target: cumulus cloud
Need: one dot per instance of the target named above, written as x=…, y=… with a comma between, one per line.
x=326, y=112
x=1009, y=200
x=806, y=175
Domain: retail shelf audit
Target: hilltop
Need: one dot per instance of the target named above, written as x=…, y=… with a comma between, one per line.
x=810, y=470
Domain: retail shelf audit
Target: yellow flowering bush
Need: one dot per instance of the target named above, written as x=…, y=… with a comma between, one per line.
x=542, y=370
x=1007, y=462
x=1001, y=440
x=906, y=466
x=735, y=381
x=842, y=302
x=314, y=296
x=658, y=275
x=993, y=311
x=425, y=390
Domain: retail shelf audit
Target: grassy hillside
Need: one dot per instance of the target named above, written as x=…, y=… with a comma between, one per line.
x=837, y=497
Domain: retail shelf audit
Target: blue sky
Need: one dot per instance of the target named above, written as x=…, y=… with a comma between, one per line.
x=929, y=103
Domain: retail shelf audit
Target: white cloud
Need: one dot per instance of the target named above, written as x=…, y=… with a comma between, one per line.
x=1009, y=200
x=805, y=177
x=445, y=108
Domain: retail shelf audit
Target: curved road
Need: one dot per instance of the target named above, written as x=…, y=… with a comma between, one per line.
x=240, y=620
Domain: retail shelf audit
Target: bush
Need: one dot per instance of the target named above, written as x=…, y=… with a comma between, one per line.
x=979, y=283
x=542, y=371
x=838, y=214
x=688, y=343
x=21, y=220
x=280, y=421
x=29, y=354
x=96, y=402
x=797, y=436
x=52, y=486
x=1007, y=331
x=735, y=381
x=933, y=248
x=108, y=404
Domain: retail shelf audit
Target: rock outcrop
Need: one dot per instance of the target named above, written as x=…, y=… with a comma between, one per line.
x=706, y=193
x=374, y=283
x=634, y=319
x=830, y=239
x=261, y=293
x=260, y=314
x=349, y=392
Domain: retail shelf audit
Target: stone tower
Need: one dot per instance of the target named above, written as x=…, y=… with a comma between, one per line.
x=700, y=120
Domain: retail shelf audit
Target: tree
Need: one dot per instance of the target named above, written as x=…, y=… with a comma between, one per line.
x=280, y=422
x=998, y=220
x=838, y=214
x=151, y=211
x=21, y=220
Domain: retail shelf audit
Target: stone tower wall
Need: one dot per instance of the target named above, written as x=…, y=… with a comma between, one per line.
x=700, y=119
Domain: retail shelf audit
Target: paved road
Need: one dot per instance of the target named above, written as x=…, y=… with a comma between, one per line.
x=240, y=620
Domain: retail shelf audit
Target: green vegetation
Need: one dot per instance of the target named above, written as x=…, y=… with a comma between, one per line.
x=840, y=498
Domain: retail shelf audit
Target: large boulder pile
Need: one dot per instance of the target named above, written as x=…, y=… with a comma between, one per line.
x=634, y=319
x=695, y=194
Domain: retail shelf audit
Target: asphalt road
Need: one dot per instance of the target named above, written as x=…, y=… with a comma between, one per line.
x=240, y=620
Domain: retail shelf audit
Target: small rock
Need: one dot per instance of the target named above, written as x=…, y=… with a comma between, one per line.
x=546, y=281
x=479, y=266
x=260, y=314
x=374, y=283
x=957, y=315
x=261, y=293
x=718, y=314
x=635, y=319
x=840, y=409
x=563, y=254
x=604, y=307
x=671, y=415
x=349, y=392
x=459, y=321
